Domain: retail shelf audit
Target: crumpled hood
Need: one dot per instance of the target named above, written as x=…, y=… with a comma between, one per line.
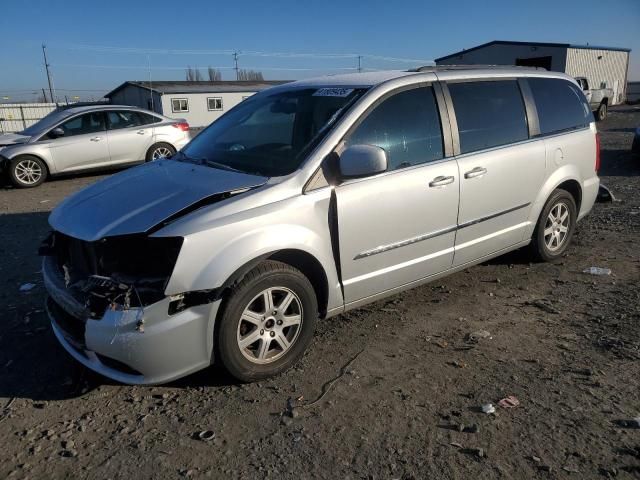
x=138, y=199
x=12, y=139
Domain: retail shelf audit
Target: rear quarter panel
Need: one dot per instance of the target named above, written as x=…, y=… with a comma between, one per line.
x=569, y=156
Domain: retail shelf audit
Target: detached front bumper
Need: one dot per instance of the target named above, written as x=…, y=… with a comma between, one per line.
x=169, y=348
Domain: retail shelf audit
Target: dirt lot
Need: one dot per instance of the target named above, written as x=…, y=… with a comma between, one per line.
x=565, y=343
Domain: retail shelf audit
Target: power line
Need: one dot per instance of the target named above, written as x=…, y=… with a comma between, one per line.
x=235, y=53
x=145, y=67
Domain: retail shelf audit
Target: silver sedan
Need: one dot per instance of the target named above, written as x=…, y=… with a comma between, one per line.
x=90, y=137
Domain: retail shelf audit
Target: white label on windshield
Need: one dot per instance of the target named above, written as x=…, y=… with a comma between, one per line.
x=333, y=92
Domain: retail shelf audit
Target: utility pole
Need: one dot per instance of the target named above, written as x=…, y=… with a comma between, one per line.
x=235, y=59
x=359, y=66
x=46, y=66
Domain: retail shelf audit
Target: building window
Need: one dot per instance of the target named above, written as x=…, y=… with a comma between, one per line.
x=179, y=105
x=214, y=103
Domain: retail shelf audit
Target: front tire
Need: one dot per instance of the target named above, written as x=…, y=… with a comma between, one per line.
x=159, y=151
x=555, y=226
x=601, y=113
x=267, y=322
x=27, y=171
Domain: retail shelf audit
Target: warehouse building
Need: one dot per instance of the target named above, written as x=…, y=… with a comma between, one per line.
x=604, y=67
x=200, y=103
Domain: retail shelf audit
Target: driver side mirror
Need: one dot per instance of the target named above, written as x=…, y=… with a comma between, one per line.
x=359, y=161
x=56, y=133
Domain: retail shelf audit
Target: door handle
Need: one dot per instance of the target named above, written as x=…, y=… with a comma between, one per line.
x=441, y=181
x=476, y=172
x=96, y=139
x=140, y=132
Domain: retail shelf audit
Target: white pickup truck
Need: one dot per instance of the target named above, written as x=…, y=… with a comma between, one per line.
x=599, y=98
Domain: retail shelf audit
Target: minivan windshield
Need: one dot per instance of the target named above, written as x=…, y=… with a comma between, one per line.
x=269, y=134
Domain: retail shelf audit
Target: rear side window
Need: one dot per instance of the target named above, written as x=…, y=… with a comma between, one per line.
x=489, y=114
x=146, y=119
x=406, y=126
x=123, y=119
x=561, y=105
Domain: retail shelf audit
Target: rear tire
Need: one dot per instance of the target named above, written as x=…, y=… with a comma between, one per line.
x=555, y=227
x=258, y=338
x=27, y=171
x=159, y=151
x=601, y=113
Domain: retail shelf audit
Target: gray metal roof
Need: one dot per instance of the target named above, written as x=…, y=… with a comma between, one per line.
x=533, y=44
x=183, y=86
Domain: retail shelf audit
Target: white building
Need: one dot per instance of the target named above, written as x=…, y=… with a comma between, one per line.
x=602, y=66
x=200, y=103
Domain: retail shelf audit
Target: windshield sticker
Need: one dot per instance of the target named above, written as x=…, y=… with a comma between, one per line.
x=333, y=92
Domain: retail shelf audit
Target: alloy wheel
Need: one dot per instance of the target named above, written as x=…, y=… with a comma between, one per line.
x=161, y=152
x=270, y=324
x=556, y=227
x=28, y=172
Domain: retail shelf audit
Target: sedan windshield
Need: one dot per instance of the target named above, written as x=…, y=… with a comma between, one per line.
x=45, y=123
x=270, y=134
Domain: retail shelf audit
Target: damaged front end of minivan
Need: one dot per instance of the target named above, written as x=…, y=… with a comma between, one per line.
x=106, y=295
x=106, y=270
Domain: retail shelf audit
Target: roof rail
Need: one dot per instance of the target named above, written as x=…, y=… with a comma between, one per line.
x=438, y=68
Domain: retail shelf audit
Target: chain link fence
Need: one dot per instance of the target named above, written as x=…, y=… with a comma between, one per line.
x=15, y=117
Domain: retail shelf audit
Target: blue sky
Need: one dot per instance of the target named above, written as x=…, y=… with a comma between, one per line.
x=417, y=30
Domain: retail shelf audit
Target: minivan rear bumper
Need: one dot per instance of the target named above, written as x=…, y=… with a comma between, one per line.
x=169, y=346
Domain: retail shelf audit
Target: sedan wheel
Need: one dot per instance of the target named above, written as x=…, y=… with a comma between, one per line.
x=27, y=171
x=161, y=152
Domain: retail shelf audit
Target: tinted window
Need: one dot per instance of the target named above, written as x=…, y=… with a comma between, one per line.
x=146, y=119
x=560, y=104
x=83, y=124
x=406, y=125
x=123, y=119
x=489, y=114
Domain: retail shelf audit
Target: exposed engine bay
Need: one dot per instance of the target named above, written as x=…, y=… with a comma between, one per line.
x=116, y=273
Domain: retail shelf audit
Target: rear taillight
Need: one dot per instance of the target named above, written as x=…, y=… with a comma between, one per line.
x=184, y=126
x=597, y=152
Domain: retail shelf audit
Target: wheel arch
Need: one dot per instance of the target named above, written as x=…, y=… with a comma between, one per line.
x=309, y=265
x=565, y=178
x=47, y=166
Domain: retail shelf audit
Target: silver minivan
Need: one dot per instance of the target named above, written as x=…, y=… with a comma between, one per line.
x=308, y=200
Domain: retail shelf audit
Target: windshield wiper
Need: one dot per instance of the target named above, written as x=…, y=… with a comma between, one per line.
x=221, y=166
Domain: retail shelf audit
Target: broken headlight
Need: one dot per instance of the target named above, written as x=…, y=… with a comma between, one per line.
x=129, y=270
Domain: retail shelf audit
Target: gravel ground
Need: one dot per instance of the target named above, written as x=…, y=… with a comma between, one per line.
x=409, y=379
